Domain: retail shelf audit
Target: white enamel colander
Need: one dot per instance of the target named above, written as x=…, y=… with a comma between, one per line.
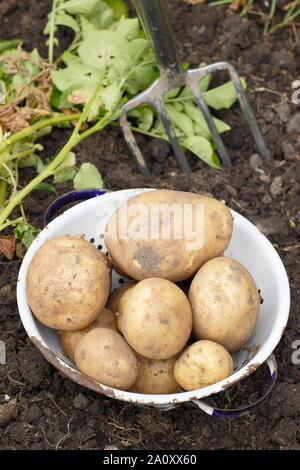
x=248, y=245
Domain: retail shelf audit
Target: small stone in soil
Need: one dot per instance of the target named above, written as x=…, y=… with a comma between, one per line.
x=283, y=111
x=81, y=402
x=8, y=412
x=33, y=413
x=267, y=199
x=265, y=179
x=294, y=124
x=255, y=161
x=276, y=186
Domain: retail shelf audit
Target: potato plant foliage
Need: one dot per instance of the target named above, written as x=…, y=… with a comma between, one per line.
x=108, y=62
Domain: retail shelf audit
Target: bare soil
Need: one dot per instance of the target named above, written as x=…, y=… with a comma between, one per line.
x=52, y=412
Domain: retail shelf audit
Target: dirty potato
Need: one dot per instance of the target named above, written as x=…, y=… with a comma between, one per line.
x=167, y=234
x=201, y=364
x=157, y=321
x=117, y=301
x=69, y=339
x=103, y=355
x=225, y=303
x=155, y=376
x=68, y=282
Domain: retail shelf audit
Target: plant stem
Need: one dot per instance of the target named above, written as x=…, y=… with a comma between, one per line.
x=11, y=222
x=3, y=186
x=15, y=156
x=23, y=213
x=34, y=127
x=51, y=35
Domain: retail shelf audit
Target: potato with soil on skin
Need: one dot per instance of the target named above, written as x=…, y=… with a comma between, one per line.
x=225, y=303
x=68, y=282
x=157, y=321
x=103, y=355
x=118, y=299
x=201, y=364
x=193, y=239
x=155, y=376
x=70, y=339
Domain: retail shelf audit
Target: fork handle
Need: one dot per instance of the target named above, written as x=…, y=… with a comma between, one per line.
x=155, y=21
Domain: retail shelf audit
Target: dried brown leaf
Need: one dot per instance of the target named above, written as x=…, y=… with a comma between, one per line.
x=84, y=125
x=236, y=4
x=7, y=246
x=193, y=2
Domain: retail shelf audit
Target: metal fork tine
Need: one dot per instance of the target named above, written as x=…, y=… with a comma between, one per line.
x=223, y=154
x=247, y=110
x=179, y=154
x=157, y=26
x=245, y=105
x=135, y=152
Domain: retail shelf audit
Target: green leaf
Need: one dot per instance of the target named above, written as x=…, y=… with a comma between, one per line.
x=204, y=83
x=111, y=95
x=171, y=94
x=28, y=238
x=26, y=233
x=55, y=96
x=88, y=177
x=223, y=96
x=63, y=19
x=64, y=174
x=66, y=170
x=75, y=76
x=129, y=27
x=137, y=48
x=41, y=132
x=119, y=8
x=178, y=106
x=87, y=27
x=28, y=161
x=186, y=93
x=78, y=7
x=196, y=115
x=68, y=162
x=107, y=19
x=180, y=120
x=202, y=148
x=146, y=118
x=96, y=17
x=102, y=49
x=40, y=165
x=44, y=187
x=12, y=44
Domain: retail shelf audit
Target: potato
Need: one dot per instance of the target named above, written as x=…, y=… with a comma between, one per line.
x=117, y=301
x=155, y=376
x=68, y=282
x=103, y=355
x=202, y=364
x=157, y=321
x=69, y=339
x=175, y=250
x=225, y=303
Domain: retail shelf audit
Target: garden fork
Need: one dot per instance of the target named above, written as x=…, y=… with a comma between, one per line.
x=154, y=18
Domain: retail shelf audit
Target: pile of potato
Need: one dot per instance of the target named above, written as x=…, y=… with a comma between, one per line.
x=173, y=325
